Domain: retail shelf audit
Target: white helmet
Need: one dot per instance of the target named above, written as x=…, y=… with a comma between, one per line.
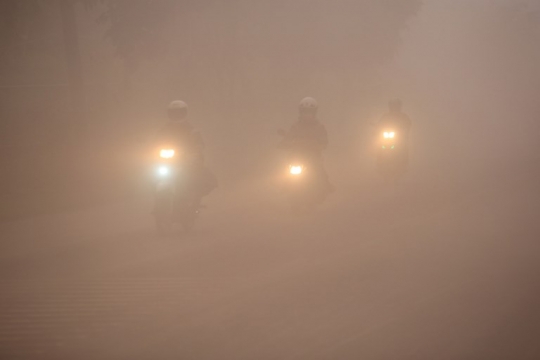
x=308, y=103
x=177, y=105
x=177, y=110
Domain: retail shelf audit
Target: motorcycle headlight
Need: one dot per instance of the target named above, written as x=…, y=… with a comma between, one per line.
x=163, y=171
x=295, y=169
x=166, y=153
x=389, y=134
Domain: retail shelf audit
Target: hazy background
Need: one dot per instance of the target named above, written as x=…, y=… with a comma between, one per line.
x=466, y=71
x=442, y=266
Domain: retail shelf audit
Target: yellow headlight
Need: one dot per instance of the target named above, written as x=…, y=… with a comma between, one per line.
x=295, y=170
x=166, y=153
x=389, y=134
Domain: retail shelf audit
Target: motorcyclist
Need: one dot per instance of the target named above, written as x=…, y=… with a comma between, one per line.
x=396, y=118
x=180, y=134
x=308, y=137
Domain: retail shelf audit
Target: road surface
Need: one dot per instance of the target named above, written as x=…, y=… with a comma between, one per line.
x=437, y=268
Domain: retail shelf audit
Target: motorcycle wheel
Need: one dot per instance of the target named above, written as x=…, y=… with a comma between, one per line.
x=188, y=214
x=163, y=226
x=162, y=213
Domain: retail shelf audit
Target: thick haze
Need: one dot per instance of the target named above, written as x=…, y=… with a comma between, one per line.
x=465, y=68
x=442, y=264
x=470, y=68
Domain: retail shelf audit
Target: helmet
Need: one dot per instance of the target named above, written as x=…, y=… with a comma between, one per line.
x=395, y=105
x=177, y=110
x=308, y=104
x=177, y=104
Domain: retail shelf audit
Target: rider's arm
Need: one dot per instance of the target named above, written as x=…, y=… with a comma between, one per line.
x=288, y=139
x=198, y=145
x=323, y=137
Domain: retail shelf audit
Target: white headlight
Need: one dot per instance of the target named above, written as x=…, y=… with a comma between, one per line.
x=389, y=134
x=166, y=153
x=295, y=170
x=163, y=171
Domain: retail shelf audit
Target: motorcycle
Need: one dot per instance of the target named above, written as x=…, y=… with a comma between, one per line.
x=174, y=202
x=304, y=185
x=391, y=155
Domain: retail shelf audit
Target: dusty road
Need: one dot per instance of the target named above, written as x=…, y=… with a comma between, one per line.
x=437, y=269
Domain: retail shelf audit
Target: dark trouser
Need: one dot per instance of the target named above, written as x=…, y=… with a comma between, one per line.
x=318, y=165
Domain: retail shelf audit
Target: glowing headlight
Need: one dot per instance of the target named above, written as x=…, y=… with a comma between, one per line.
x=166, y=153
x=389, y=134
x=295, y=170
x=163, y=171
